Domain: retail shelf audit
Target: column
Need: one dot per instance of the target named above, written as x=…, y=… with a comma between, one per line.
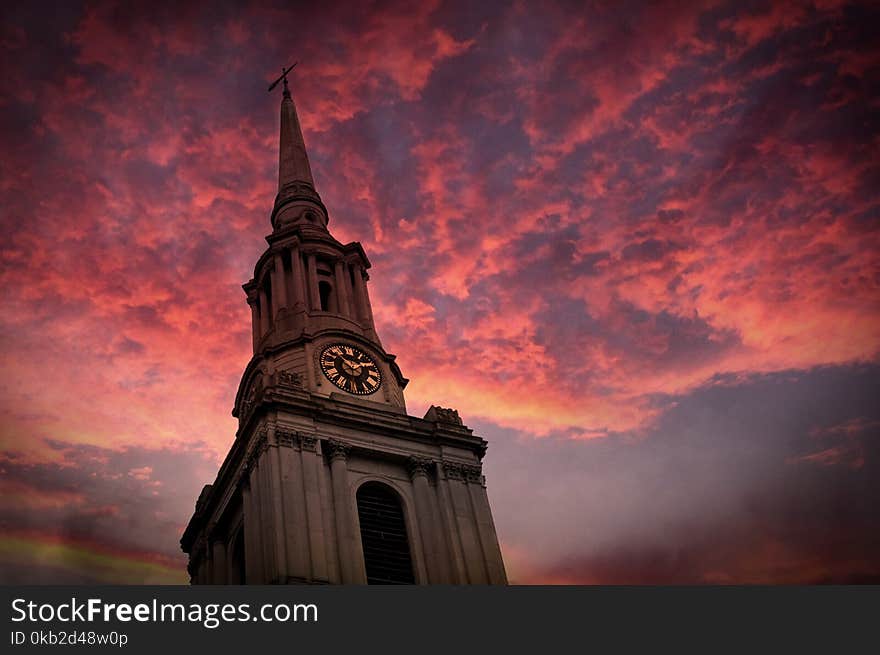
x=296, y=526
x=298, y=281
x=220, y=566
x=318, y=534
x=341, y=296
x=424, y=510
x=349, y=293
x=453, y=539
x=312, y=283
x=330, y=561
x=279, y=290
x=260, y=481
x=312, y=463
x=344, y=533
x=208, y=565
x=255, y=320
x=253, y=548
x=273, y=472
x=488, y=536
x=359, y=292
x=368, y=316
x=472, y=549
x=264, y=312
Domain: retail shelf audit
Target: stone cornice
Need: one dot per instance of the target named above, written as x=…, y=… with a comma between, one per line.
x=309, y=241
x=334, y=414
x=284, y=394
x=298, y=191
x=378, y=419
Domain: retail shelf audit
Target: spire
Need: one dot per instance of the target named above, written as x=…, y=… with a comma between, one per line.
x=297, y=200
x=293, y=162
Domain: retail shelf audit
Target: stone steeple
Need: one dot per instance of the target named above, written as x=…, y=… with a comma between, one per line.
x=297, y=201
x=308, y=284
x=293, y=165
x=328, y=479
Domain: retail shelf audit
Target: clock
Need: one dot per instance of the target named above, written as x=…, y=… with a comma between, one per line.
x=350, y=369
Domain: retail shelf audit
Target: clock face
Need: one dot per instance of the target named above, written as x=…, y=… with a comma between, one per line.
x=350, y=369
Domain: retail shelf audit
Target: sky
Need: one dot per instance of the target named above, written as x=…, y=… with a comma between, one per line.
x=634, y=244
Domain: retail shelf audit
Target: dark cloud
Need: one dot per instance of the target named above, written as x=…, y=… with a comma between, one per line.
x=649, y=250
x=126, y=502
x=725, y=487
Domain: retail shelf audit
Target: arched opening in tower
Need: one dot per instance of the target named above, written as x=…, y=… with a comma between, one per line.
x=383, y=535
x=325, y=291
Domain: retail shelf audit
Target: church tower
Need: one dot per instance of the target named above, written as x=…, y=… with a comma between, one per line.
x=329, y=480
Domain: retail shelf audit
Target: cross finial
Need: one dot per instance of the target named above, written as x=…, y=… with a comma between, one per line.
x=284, y=72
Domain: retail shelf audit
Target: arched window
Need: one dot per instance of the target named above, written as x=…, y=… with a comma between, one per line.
x=324, y=289
x=267, y=287
x=383, y=535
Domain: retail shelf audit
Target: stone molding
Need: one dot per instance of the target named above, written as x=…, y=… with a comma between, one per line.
x=444, y=415
x=298, y=190
x=419, y=466
x=287, y=438
x=295, y=439
x=259, y=447
x=289, y=379
x=249, y=403
x=464, y=472
x=338, y=449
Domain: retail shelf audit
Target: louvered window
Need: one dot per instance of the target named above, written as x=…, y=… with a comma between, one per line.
x=383, y=534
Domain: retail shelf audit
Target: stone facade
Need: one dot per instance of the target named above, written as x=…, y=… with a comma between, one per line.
x=284, y=507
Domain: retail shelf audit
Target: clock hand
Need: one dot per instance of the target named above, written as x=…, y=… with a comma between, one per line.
x=354, y=366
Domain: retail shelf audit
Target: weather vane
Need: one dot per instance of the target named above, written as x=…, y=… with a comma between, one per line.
x=284, y=72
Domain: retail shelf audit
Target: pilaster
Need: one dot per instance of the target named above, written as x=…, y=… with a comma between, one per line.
x=298, y=281
x=254, y=303
x=419, y=471
x=279, y=290
x=312, y=282
x=264, y=312
x=338, y=453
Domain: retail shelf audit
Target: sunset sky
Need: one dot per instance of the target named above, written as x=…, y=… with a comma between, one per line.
x=636, y=245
